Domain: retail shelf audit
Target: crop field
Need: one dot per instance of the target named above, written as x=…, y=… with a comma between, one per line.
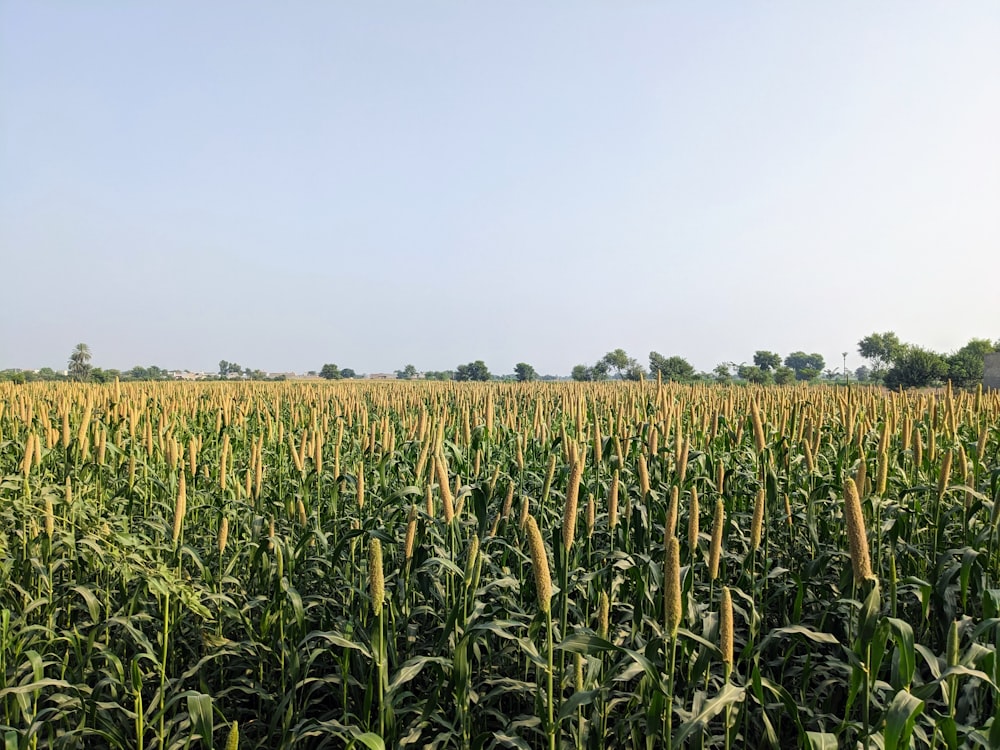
x=592, y=565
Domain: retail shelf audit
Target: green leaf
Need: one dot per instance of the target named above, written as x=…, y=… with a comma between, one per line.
x=904, y=658
x=806, y=632
x=729, y=695
x=575, y=701
x=868, y=617
x=899, y=719
x=509, y=740
x=821, y=741
x=410, y=669
x=370, y=740
x=200, y=710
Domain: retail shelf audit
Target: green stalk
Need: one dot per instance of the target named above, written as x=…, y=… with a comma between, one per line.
x=669, y=709
x=551, y=726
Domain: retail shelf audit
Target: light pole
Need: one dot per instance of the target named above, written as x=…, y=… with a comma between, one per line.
x=846, y=375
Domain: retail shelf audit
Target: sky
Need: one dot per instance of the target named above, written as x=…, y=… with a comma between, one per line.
x=378, y=184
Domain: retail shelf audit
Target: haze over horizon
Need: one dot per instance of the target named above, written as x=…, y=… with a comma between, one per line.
x=381, y=184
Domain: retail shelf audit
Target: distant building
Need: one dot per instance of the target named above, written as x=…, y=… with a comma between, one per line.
x=991, y=371
x=381, y=376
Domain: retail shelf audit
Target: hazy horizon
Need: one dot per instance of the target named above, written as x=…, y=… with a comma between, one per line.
x=387, y=184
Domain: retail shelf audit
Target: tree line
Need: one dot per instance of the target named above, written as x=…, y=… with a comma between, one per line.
x=891, y=362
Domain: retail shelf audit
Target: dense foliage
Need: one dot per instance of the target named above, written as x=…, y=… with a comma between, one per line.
x=497, y=565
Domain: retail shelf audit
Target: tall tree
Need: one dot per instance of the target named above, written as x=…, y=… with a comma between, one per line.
x=784, y=375
x=754, y=374
x=670, y=368
x=965, y=367
x=766, y=360
x=806, y=366
x=473, y=371
x=79, y=362
x=525, y=372
x=881, y=349
x=330, y=372
x=916, y=368
x=622, y=364
x=723, y=372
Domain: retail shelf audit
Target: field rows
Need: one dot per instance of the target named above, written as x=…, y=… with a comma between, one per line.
x=499, y=565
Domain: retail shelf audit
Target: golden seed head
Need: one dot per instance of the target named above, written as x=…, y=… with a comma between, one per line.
x=861, y=475
x=715, y=551
x=882, y=474
x=361, y=485
x=591, y=514
x=50, y=520
x=180, y=507
x=857, y=538
x=603, y=615
x=613, y=502
x=539, y=564
x=411, y=534
x=693, y=512
x=301, y=508
x=670, y=525
x=233, y=740
x=572, y=502
x=69, y=492
x=578, y=672
x=757, y=525
x=672, y=586
x=952, y=651
x=643, y=475
x=472, y=556
x=945, y=474
x=223, y=534
x=681, y=448
x=758, y=427
x=508, y=501
x=726, y=627
x=376, y=577
x=447, y=501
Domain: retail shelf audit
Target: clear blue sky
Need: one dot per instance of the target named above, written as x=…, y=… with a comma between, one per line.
x=382, y=183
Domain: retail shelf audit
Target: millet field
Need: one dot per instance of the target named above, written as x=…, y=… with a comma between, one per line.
x=501, y=565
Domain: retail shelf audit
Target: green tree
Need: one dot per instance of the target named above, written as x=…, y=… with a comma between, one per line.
x=582, y=373
x=754, y=374
x=916, y=368
x=79, y=362
x=965, y=367
x=330, y=372
x=806, y=366
x=670, y=368
x=881, y=349
x=347, y=372
x=766, y=361
x=723, y=372
x=784, y=375
x=619, y=362
x=525, y=372
x=473, y=371
x=407, y=373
